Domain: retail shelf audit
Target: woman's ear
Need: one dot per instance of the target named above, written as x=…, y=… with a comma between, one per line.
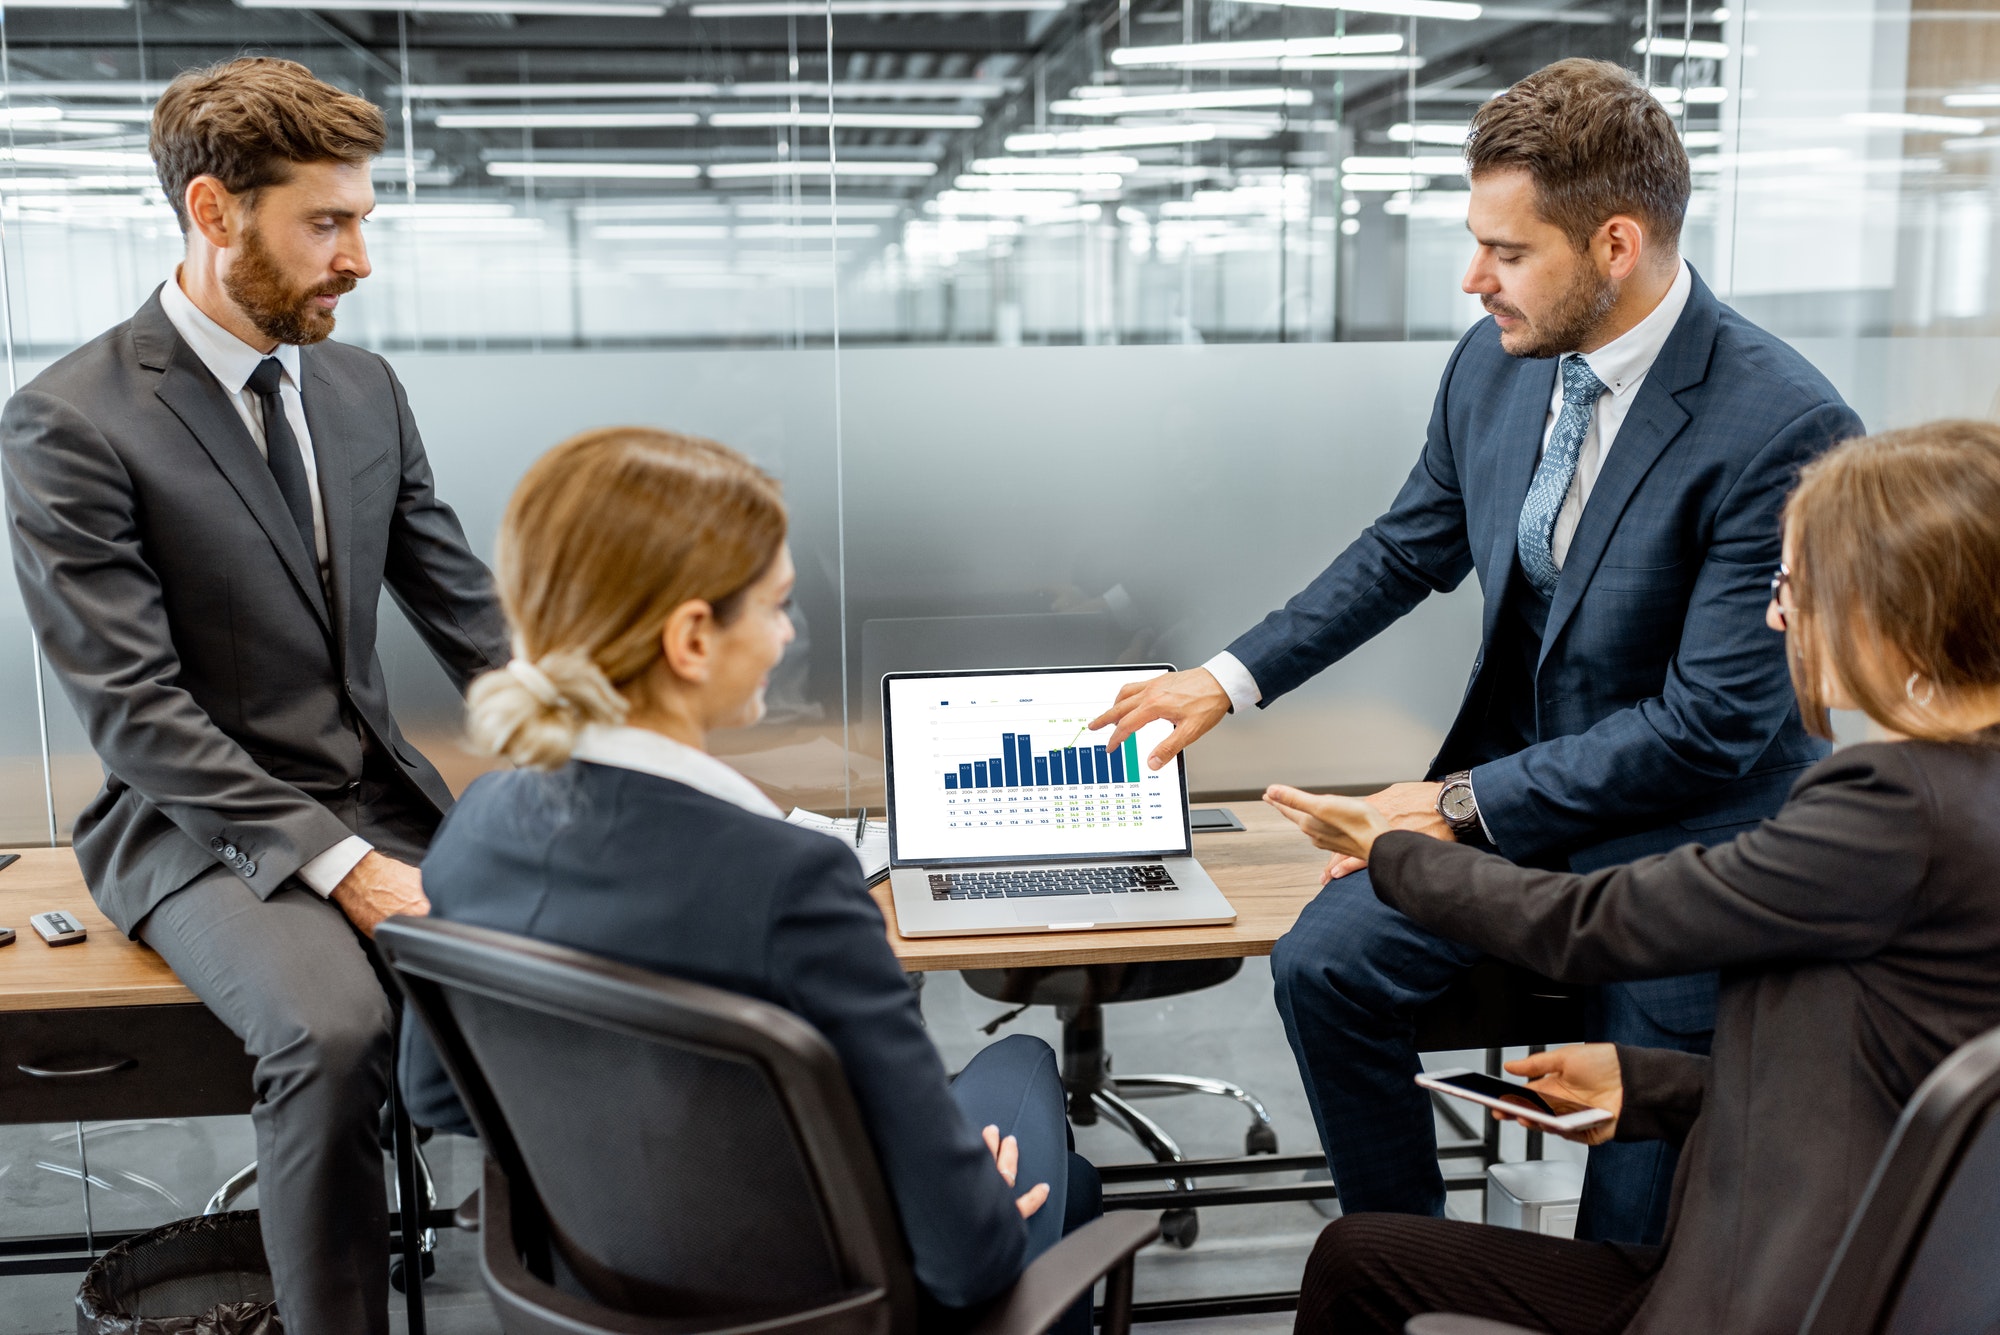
x=687, y=641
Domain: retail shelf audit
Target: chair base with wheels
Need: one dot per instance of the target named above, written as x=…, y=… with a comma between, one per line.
x=1079, y=995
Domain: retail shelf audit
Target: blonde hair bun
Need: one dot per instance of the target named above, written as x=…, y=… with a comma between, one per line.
x=531, y=711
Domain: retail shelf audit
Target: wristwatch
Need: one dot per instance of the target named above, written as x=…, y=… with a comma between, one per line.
x=1457, y=805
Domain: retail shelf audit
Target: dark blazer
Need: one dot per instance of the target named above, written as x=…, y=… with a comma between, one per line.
x=1858, y=934
x=1663, y=702
x=226, y=695
x=652, y=872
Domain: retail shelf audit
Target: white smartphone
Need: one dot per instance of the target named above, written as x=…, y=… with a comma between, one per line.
x=1510, y=1098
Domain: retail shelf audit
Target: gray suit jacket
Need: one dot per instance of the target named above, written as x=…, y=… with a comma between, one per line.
x=226, y=693
x=1858, y=934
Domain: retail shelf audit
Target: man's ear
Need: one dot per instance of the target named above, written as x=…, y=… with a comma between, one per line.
x=1620, y=246
x=213, y=211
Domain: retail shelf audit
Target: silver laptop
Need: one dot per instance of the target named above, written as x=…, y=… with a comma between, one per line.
x=1006, y=814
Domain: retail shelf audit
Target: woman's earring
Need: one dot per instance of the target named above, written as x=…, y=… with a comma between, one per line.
x=1910, y=689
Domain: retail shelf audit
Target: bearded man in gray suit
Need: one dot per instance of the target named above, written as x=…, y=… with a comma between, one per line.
x=206, y=502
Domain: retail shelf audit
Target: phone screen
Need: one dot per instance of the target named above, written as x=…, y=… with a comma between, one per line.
x=1494, y=1088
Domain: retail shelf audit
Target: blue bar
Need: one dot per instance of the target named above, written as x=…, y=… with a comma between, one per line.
x=994, y=772
x=951, y=782
x=1026, y=757
x=1104, y=774
x=1087, y=765
x=1041, y=771
x=978, y=774
x=1069, y=765
x=1010, y=768
x=965, y=776
x=1117, y=763
x=1055, y=767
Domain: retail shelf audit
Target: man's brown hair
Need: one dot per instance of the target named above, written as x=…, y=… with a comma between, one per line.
x=248, y=122
x=1895, y=540
x=1595, y=142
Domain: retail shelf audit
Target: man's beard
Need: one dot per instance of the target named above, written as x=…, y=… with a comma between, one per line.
x=1569, y=324
x=279, y=310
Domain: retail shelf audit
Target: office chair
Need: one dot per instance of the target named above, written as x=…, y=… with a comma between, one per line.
x=1917, y=1257
x=670, y=1159
x=1079, y=995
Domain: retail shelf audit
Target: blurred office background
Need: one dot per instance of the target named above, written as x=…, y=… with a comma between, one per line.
x=1078, y=330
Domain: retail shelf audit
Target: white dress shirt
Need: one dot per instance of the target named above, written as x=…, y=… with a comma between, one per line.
x=1621, y=365
x=230, y=360
x=657, y=754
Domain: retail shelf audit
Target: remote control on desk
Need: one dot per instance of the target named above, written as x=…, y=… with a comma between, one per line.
x=58, y=928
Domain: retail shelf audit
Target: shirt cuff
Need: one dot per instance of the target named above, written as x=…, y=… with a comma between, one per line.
x=1484, y=828
x=330, y=868
x=1236, y=680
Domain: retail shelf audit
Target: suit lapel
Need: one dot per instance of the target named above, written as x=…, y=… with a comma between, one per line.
x=193, y=395
x=1519, y=430
x=330, y=434
x=1656, y=419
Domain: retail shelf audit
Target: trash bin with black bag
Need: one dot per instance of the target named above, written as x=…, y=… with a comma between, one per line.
x=200, y=1276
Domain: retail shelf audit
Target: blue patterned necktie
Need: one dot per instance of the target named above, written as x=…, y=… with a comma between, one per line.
x=1553, y=476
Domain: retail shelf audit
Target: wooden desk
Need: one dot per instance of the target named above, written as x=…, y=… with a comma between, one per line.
x=1267, y=870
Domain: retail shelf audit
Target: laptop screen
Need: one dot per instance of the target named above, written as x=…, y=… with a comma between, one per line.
x=1002, y=767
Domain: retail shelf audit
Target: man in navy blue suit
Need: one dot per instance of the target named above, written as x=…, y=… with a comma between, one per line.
x=1609, y=452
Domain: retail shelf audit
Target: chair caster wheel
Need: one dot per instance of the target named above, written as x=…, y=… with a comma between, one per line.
x=1260, y=1139
x=430, y=1266
x=1180, y=1227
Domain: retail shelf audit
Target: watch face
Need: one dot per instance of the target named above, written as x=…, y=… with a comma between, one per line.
x=1458, y=804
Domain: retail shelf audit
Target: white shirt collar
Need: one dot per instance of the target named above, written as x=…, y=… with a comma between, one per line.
x=228, y=358
x=1623, y=362
x=652, y=753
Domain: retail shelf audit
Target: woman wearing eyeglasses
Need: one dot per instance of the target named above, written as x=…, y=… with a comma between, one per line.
x=1857, y=931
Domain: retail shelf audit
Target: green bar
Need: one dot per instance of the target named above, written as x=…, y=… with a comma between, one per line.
x=1132, y=758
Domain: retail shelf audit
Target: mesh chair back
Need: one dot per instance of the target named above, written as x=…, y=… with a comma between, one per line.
x=1919, y=1256
x=672, y=1149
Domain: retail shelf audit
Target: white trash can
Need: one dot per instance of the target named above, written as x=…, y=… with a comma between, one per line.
x=1540, y=1196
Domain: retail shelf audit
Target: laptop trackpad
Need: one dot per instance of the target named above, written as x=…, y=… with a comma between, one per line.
x=1052, y=915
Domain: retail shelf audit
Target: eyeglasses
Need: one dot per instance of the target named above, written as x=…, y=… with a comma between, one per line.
x=1779, y=580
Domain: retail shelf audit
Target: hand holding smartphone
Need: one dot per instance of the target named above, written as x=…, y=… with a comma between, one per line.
x=1507, y=1097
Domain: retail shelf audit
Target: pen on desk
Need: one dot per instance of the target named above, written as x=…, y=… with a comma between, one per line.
x=860, y=826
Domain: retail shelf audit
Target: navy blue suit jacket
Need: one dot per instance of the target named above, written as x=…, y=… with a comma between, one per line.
x=1663, y=704
x=654, y=873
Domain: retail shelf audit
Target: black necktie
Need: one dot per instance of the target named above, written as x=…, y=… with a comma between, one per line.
x=281, y=451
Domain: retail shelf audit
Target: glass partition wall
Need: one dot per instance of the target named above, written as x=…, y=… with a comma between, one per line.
x=954, y=270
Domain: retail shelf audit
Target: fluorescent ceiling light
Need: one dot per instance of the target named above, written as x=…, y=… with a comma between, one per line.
x=1117, y=137
x=732, y=171
x=1439, y=165
x=1915, y=124
x=551, y=92
x=1445, y=205
x=106, y=115
x=1980, y=98
x=565, y=120
x=397, y=212
x=1384, y=182
x=805, y=231
x=843, y=211
x=54, y=183
x=1702, y=139
x=1414, y=9
x=876, y=90
x=609, y=171
x=981, y=203
x=743, y=208
x=29, y=115
x=1285, y=49
x=117, y=90
x=1089, y=162
x=76, y=157
x=1096, y=182
x=849, y=120
x=1978, y=145
x=753, y=9
x=1310, y=63
x=1707, y=95
x=481, y=226
x=1777, y=157
x=1452, y=135
x=658, y=232
x=638, y=9
x=1675, y=46
x=1213, y=101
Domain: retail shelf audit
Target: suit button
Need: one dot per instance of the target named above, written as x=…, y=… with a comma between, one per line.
x=249, y=869
x=229, y=851
x=215, y=845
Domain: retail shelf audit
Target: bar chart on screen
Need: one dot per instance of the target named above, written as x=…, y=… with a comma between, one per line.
x=1009, y=764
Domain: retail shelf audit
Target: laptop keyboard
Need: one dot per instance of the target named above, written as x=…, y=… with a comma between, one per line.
x=1132, y=878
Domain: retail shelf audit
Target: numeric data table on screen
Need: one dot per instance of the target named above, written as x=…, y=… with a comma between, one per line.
x=1009, y=761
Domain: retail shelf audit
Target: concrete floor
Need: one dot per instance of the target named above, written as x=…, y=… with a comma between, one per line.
x=144, y=1173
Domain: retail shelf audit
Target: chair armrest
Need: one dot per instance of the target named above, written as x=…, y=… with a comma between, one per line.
x=1451, y=1323
x=1068, y=1271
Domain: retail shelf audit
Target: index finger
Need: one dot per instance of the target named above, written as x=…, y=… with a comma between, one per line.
x=1009, y=1159
x=1118, y=703
x=1134, y=718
